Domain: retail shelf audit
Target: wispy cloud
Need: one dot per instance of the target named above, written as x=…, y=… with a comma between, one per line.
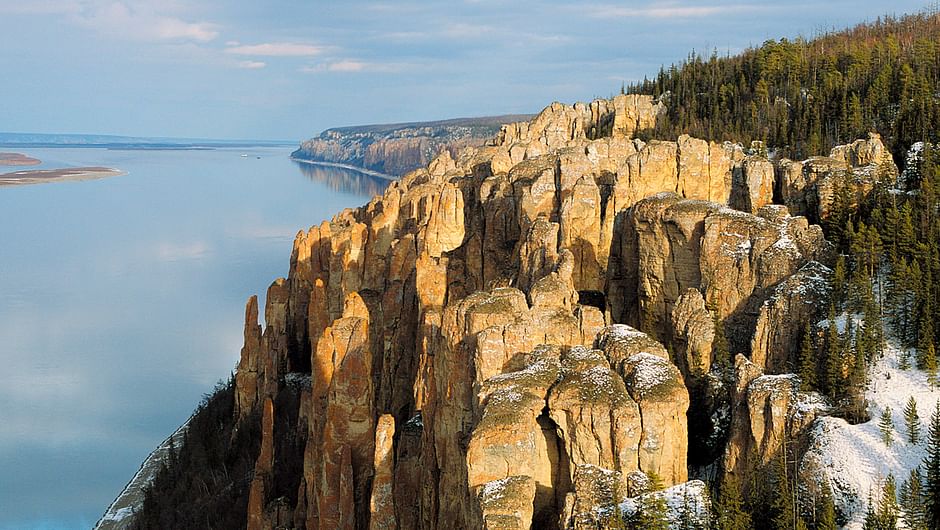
x=668, y=10
x=277, y=49
x=353, y=66
x=141, y=21
x=251, y=65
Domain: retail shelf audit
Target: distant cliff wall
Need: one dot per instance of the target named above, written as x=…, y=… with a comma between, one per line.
x=396, y=149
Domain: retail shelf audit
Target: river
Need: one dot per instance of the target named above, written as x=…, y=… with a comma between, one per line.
x=121, y=305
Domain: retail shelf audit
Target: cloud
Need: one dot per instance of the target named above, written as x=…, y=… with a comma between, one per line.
x=277, y=49
x=353, y=66
x=141, y=21
x=347, y=66
x=668, y=10
x=251, y=65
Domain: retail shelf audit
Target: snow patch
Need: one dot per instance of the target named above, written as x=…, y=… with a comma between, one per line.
x=854, y=459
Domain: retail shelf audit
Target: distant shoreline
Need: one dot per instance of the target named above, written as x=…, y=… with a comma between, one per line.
x=18, y=159
x=357, y=169
x=42, y=176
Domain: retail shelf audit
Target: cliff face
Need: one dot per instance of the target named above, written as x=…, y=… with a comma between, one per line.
x=509, y=339
x=399, y=148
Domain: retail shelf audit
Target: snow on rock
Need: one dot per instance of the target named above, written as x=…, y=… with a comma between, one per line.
x=853, y=459
x=649, y=373
x=685, y=503
x=121, y=513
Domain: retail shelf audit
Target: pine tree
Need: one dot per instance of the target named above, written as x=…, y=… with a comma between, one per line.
x=912, y=501
x=807, y=360
x=729, y=509
x=925, y=341
x=930, y=365
x=837, y=284
x=833, y=366
x=886, y=426
x=781, y=504
x=827, y=512
x=888, y=507
x=651, y=514
x=912, y=421
x=932, y=471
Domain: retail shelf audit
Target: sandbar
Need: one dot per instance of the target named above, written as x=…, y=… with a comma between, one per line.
x=18, y=159
x=39, y=176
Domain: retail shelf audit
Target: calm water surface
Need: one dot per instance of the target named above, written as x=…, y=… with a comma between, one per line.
x=121, y=304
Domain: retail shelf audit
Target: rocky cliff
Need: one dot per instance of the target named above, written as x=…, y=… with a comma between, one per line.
x=522, y=335
x=396, y=149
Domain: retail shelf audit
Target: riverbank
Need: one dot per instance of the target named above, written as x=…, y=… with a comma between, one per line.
x=358, y=169
x=18, y=159
x=41, y=176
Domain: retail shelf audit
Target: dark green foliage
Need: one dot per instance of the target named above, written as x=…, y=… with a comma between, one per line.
x=932, y=471
x=912, y=501
x=886, y=426
x=912, y=421
x=729, y=508
x=206, y=482
x=807, y=360
x=827, y=512
x=652, y=514
x=806, y=96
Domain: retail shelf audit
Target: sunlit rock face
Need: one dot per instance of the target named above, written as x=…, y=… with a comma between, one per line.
x=510, y=336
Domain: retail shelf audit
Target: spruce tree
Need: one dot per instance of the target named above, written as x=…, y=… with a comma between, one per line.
x=912, y=421
x=930, y=365
x=886, y=426
x=807, y=360
x=833, y=366
x=729, y=508
x=912, y=501
x=781, y=504
x=827, y=512
x=888, y=507
x=838, y=283
x=932, y=471
x=651, y=513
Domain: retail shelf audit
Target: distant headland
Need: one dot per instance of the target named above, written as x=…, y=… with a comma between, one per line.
x=40, y=176
x=18, y=159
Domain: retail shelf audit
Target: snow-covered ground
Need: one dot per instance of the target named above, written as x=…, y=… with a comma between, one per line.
x=855, y=457
x=120, y=514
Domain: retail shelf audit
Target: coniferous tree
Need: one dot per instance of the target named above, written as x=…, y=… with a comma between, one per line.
x=729, y=508
x=932, y=471
x=838, y=283
x=781, y=504
x=886, y=426
x=930, y=365
x=833, y=376
x=651, y=514
x=888, y=507
x=827, y=512
x=807, y=360
x=912, y=421
x=912, y=501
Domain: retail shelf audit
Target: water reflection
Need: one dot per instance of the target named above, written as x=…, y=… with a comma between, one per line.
x=344, y=180
x=122, y=302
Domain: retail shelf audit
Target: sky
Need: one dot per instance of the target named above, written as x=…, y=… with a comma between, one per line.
x=287, y=69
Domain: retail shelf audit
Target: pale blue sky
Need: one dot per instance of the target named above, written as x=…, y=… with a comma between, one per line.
x=286, y=69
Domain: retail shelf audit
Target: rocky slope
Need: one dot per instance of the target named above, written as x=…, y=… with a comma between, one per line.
x=396, y=149
x=520, y=337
